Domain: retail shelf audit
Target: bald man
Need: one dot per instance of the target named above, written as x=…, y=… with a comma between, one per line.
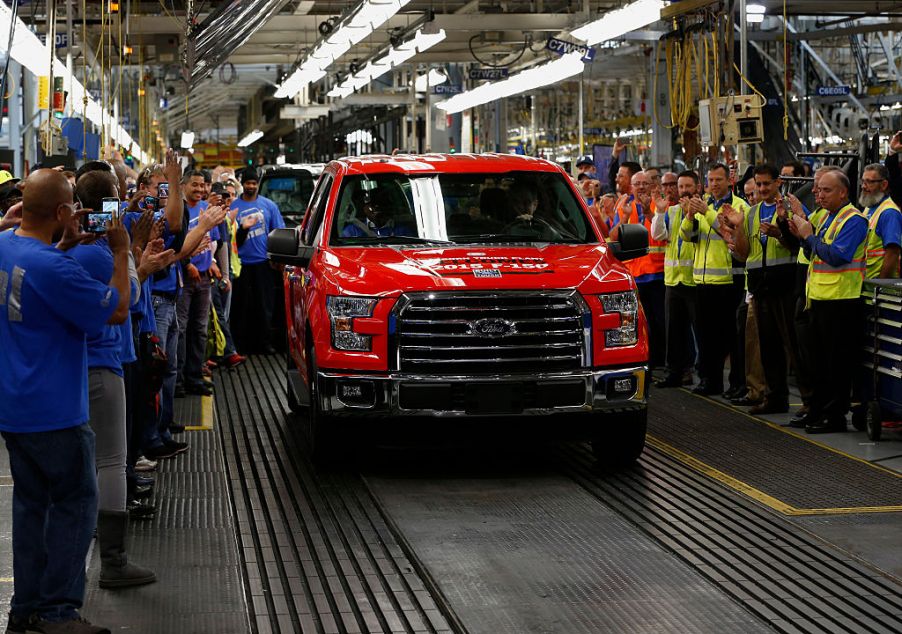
x=48, y=307
x=836, y=249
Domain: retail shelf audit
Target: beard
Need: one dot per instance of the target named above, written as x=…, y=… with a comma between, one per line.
x=869, y=200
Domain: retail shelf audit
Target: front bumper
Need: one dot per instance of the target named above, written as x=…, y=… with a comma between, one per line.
x=591, y=390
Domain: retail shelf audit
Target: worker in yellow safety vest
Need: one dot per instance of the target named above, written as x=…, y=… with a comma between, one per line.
x=884, y=224
x=766, y=244
x=713, y=271
x=679, y=260
x=833, y=299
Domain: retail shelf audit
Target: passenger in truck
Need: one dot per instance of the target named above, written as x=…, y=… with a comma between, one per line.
x=375, y=217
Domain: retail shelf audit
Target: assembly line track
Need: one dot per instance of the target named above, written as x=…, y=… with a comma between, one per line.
x=322, y=555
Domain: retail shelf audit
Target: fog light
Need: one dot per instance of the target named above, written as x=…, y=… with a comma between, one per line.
x=355, y=393
x=620, y=388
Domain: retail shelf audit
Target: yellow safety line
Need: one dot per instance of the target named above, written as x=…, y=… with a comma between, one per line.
x=6, y=481
x=6, y=579
x=206, y=415
x=789, y=431
x=757, y=494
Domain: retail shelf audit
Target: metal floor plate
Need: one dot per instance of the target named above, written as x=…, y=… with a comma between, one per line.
x=317, y=554
x=190, y=545
x=805, y=477
x=534, y=553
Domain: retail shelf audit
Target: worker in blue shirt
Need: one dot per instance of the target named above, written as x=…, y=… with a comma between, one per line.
x=195, y=299
x=833, y=299
x=884, y=223
x=49, y=306
x=254, y=289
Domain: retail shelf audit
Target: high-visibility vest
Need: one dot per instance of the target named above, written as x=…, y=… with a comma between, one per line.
x=827, y=282
x=679, y=255
x=816, y=217
x=713, y=260
x=875, y=248
x=653, y=261
x=773, y=253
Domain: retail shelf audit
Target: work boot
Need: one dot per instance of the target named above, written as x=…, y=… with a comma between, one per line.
x=17, y=624
x=73, y=626
x=115, y=571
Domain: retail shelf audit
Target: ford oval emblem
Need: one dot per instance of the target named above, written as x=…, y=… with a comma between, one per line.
x=493, y=327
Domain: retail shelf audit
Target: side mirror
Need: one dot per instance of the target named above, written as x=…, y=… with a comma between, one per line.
x=633, y=242
x=282, y=246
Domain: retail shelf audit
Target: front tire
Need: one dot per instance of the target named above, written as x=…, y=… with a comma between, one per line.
x=874, y=421
x=293, y=403
x=622, y=441
x=321, y=437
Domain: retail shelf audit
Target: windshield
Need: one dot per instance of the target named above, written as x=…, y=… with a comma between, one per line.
x=459, y=209
x=290, y=191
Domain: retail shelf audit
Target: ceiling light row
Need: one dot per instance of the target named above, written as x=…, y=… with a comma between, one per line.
x=378, y=67
x=361, y=22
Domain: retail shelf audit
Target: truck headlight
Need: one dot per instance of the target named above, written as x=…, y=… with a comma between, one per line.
x=627, y=306
x=342, y=311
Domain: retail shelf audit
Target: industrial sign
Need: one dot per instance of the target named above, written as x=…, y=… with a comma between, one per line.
x=447, y=89
x=834, y=91
x=488, y=73
x=562, y=47
x=62, y=39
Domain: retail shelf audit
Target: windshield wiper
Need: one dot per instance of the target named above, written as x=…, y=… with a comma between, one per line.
x=403, y=240
x=507, y=237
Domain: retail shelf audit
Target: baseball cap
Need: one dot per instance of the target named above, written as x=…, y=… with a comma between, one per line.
x=6, y=177
x=585, y=160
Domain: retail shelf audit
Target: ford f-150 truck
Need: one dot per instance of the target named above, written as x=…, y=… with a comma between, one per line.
x=451, y=286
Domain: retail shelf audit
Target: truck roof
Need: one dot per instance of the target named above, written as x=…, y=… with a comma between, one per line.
x=443, y=163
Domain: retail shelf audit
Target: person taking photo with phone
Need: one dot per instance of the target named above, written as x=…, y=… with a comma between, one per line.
x=50, y=306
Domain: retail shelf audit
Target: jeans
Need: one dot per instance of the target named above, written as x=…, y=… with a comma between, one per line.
x=221, y=304
x=193, y=315
x=165, y=314
x=106, y=391
x=54, y=516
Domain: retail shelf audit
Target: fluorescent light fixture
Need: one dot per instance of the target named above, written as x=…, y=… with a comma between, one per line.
x=754, y=18
x=187, y=140
x=250, y=137
x=526, y=80
x=361, y=22
x=433, y=78
x=359, y=136
x=34, y=56
x=754, y=7
x=395, y=56
x=621, y=21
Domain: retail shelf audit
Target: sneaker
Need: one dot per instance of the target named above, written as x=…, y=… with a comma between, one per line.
x=202, y=389
x=158, y=453
x=142, y=493
x=234, y=360
x=17, y=624
x=143, y=464
x=212, y=364
x=141, y=481
x=140, y=510
x=175, y=446
x=206, y=371
x=75, y=626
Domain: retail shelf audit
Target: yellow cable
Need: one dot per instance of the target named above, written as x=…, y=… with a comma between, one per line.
x=84, y=100
x=785, y=77
x=752, y=86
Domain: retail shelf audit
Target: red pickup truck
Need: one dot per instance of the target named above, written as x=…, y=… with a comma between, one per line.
x=444, y=287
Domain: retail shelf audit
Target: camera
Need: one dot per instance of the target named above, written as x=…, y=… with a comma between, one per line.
x=163, y=190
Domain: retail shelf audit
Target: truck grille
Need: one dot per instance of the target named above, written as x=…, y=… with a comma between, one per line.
x=498, y=333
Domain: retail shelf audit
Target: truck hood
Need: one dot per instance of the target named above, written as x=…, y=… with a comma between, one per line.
x=386, y=271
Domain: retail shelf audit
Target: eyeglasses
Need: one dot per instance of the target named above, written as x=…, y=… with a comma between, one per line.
x=872, y=181
x=668, y=184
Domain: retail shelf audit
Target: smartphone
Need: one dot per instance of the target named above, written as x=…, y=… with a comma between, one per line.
x=97, y=221
x=163, y=190
x=131, y=189
x=111, y=206
x=151, y=202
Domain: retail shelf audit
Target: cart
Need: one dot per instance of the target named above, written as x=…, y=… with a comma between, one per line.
x=881, y=380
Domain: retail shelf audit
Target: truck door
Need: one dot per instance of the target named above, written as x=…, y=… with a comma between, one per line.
x=300, y=279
